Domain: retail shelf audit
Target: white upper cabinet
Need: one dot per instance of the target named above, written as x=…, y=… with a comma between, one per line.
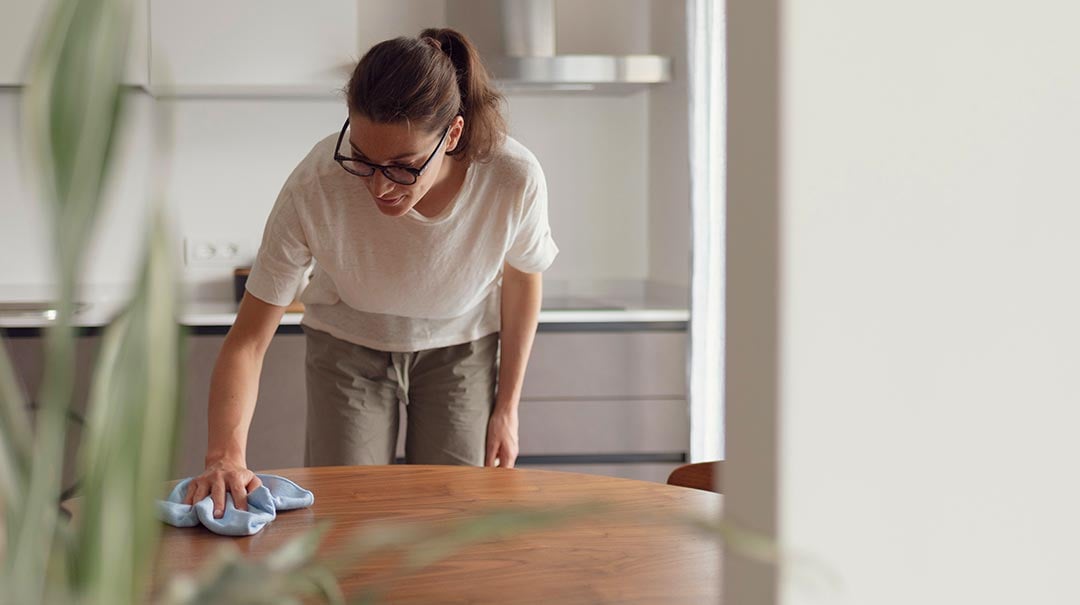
x=251, y=46
x=138, y=67
x=18, y=27
x=20, y=22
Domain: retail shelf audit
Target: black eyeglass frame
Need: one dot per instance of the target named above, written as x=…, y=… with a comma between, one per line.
x=385, y=170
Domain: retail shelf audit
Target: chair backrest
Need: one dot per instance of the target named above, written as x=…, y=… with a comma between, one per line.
x=707, y=476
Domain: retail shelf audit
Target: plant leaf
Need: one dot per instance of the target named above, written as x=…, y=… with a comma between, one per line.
x=15, y=442
x=297, y=551
x=130, y=435
x=71, y=107
x=490, y=526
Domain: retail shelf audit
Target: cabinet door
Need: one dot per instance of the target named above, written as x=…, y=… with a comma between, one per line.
x=207, y=44
x=276, y=435
x=28, y=362
x=611, y=403
x=20, y=24
x=603, y=427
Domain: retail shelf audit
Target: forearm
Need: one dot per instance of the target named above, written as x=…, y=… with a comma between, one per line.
x=520, y=308
x=234, y=388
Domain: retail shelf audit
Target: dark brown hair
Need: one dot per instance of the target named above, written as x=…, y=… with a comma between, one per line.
x=427, y=81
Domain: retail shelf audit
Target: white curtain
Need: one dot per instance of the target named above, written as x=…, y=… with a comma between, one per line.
x=707, y=165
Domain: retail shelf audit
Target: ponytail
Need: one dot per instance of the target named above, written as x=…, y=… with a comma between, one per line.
x=481, y=103
x=429, y=80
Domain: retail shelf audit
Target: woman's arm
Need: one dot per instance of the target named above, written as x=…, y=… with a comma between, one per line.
x=520, y=307
x=234, y=388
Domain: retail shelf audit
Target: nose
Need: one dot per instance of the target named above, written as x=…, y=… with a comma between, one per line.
x=380, y=185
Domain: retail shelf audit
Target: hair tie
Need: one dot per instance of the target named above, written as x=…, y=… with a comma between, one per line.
x=444, y=48
x=433, y=42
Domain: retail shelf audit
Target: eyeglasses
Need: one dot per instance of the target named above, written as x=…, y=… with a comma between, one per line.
x=402, y=175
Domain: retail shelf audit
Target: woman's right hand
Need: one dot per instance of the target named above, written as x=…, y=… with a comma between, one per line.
x=221, y=477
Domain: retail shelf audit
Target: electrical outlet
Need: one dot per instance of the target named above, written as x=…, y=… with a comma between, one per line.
x=215, y=252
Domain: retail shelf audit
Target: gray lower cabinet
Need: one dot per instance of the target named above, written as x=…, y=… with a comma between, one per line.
x=605, y=402
x=26, y=355
x=607, y=365
x=610, y=403
x=604, y=427
x=276, y=436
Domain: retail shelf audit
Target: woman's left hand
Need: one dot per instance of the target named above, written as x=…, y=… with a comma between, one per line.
x=502, y=438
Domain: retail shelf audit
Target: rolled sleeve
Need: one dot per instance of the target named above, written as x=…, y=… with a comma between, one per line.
x=283, y=256
x=533, y=249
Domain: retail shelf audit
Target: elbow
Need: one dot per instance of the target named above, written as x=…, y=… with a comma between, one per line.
x=245, y=346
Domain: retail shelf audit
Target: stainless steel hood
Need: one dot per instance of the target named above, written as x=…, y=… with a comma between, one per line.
x=516, y=39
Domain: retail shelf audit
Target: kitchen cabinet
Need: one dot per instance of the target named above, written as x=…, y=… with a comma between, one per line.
x=604, y=402
x=19, y=28
x=277, y=428
x=26, y=355
x=611, y=403
x=202, y=47
x=603, y=426
x=607, y=365
x=206, y=47
x=276, y=436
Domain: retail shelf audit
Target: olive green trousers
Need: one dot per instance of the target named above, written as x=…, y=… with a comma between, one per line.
x=354, y=395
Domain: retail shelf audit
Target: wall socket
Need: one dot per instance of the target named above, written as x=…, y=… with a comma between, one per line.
x=215, y=252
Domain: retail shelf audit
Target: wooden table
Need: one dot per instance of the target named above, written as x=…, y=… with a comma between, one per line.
x=604, y=559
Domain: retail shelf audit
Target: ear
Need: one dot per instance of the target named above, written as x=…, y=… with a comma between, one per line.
x=456, y=128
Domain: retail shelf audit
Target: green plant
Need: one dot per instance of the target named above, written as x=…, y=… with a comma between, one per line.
x=72, y=108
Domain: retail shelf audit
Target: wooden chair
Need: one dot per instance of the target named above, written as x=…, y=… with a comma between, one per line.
x=706, y=476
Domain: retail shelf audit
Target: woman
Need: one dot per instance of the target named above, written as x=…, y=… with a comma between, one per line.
x=428, y=228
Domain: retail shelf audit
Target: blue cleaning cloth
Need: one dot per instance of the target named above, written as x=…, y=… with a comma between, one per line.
x=276, y=493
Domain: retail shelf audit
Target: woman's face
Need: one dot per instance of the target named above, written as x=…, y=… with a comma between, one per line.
x=396, y=144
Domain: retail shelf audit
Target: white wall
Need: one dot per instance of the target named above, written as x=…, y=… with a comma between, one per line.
x=25, y=247
x=593, y=150
x=230, y=158
x=927, y=383
x=669, y=152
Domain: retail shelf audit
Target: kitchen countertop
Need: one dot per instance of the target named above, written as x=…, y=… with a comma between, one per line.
x=223, y=314
x=625, y=306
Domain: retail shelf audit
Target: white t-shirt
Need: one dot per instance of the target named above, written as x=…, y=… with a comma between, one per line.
x=404, y=283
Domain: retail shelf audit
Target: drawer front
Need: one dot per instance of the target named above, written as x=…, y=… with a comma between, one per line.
x=609, y=365
x=602, y=426
x=596, y=427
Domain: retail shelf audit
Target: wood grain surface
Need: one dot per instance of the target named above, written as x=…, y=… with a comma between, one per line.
x=616, y=557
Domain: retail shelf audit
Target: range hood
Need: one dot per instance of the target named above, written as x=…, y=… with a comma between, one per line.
x=516, y=39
